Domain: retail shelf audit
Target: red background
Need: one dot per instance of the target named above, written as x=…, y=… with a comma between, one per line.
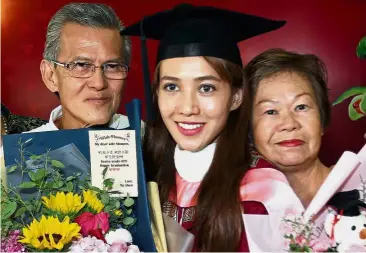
x=330, y=29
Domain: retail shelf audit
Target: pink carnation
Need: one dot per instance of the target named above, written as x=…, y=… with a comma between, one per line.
x=11, y=244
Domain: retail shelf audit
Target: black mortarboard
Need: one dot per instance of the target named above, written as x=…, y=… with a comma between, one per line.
x=188, y=30
x=348, y=203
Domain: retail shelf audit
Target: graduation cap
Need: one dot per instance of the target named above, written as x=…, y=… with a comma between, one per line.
x=347, y=202
x=188, y=30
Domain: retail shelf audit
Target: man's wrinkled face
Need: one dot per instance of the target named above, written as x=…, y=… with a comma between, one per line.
x=93, y=100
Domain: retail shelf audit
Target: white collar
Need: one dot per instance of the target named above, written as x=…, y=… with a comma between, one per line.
x=55, y=114
x=118, y=121
x=193, y=166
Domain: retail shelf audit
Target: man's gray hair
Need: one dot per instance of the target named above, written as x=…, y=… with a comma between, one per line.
x=85, y=14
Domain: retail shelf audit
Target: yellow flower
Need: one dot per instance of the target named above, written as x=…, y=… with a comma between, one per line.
x=50, y=233
x=64, y=204
x=118, y=212
x=91, y=199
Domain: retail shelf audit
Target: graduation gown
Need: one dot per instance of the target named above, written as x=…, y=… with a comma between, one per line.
x=265, y=196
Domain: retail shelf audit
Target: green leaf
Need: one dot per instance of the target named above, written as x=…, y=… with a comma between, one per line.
x=29, y=205
x=32, y=175
x=78, y=174
x=352, y=113
x=49, y=185
x=117, y=204
x=128, y=221
x=96, y=189
x=38, y=175
x=108, y=208
x=27, y=185
x=12, y=168
x=57, y=164
x=128, y=202
x=20, y=212
x=8, y=210
x=361, y=48
x=57, y=184
x=108, y=183
x=363, y=103
x=69, y=186
x=128, y=211
x=104, y=171
x=38, y=206
x=349, y=93
x=35, y=157
x=6, y=225
x=105, y=198
x=69, y=178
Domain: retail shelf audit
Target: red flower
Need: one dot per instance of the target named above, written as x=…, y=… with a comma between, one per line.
x=97, y=233
x=89, y=221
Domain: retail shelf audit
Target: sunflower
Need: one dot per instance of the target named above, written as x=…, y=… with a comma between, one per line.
x=64, y=203
x=49, y=233
x=91, y=200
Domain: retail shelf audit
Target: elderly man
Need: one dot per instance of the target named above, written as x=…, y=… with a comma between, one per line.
x=86, y=64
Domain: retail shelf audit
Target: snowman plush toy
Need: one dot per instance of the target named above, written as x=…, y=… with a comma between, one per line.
x=347, y=226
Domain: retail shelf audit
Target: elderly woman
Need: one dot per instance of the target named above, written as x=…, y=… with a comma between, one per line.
x=290, y=111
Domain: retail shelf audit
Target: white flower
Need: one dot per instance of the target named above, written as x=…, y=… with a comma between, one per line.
x=118, y=235
x=89, y=244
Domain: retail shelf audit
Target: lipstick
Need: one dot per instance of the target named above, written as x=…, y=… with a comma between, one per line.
x=291, y=143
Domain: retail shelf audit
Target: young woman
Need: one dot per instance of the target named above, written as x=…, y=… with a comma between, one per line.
x=197, y=148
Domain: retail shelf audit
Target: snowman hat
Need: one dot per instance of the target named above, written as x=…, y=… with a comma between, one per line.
x=347, y=203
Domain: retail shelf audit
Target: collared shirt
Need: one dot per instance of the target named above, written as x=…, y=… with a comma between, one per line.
x=118, y=121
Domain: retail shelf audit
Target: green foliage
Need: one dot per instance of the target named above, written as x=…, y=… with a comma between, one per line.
x=361, y=48
x=357, y=106
x=354, y=91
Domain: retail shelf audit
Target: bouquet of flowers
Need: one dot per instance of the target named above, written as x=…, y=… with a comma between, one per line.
x=63, y=214
x=301, y=236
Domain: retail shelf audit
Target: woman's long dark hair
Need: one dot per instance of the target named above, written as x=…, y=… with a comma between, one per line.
x=218, y=217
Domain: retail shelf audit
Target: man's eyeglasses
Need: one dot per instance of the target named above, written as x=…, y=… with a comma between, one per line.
x=111, y=70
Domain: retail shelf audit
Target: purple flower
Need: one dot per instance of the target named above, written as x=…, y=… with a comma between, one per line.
x=11, y=244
